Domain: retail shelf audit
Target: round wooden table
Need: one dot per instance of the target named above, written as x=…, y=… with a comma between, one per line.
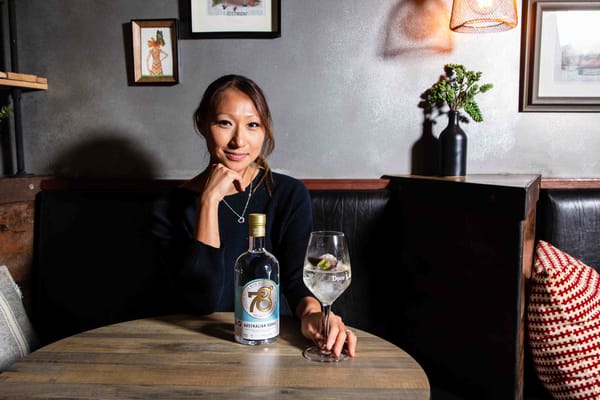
x=190, y=357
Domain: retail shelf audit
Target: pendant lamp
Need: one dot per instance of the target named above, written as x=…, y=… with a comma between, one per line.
x=481, y=16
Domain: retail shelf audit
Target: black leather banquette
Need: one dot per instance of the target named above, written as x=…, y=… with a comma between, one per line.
x=569, y=219
x=95, y=263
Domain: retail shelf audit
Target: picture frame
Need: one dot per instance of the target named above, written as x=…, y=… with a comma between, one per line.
x=560, y=56
x=233, y=19
x=155, y=51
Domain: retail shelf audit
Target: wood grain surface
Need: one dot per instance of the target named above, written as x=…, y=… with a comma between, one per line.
x=191, y=357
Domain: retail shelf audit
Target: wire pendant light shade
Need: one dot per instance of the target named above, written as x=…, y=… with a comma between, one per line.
x=480, y=16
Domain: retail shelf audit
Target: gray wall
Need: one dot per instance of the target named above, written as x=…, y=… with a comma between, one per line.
x=343, y=82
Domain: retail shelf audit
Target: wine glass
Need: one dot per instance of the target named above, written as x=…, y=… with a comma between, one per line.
x=327, y=274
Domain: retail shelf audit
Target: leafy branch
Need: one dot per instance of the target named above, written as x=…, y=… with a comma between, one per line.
x=4, y=112
x=456, y=89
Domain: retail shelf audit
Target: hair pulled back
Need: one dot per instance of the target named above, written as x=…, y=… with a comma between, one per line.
x=205, y=114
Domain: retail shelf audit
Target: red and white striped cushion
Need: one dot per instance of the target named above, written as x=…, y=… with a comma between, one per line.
x=564, y=324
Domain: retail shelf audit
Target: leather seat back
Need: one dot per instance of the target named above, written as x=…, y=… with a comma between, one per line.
x=361, y=215
x=94, y=260
x=570, y=220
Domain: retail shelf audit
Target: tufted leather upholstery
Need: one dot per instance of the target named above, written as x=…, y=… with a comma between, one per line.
x=361, y=216
x=570, y=220
x=94, y=262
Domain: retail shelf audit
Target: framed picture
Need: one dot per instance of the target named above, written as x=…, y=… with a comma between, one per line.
x=235, y=18
x=154, y=44
x=560, y=56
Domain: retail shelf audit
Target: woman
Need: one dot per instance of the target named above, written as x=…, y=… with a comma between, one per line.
x=202, y=225
x=156, y=54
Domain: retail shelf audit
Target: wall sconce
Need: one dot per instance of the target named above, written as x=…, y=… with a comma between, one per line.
x=481, y=16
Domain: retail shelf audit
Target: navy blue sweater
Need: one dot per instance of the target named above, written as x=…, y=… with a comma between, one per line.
x=201, y=275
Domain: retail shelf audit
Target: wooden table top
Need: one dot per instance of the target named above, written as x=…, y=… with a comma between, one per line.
x=188, y=357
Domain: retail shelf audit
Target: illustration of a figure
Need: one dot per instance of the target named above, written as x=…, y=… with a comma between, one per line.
x=156, y=54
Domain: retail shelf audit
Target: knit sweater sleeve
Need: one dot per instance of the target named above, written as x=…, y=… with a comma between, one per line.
x=291, y=229
x=193, y=270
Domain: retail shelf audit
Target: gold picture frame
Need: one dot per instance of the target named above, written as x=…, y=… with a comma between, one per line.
x=155, y=52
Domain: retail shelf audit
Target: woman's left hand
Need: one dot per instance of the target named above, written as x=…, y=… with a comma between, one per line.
x=339, y=335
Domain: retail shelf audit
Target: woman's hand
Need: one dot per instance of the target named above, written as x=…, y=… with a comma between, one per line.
x=220, y=180
x=216, y=182
x=312, y=328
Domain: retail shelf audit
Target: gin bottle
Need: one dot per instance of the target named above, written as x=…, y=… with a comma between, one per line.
x=256, y=279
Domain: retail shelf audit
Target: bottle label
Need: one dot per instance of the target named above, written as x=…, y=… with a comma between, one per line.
x=257, y=310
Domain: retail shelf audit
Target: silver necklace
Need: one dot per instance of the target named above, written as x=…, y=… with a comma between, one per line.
x=241, y=218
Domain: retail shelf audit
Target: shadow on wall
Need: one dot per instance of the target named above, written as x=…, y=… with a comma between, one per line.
x=106, y=156
x=424, y=154
x=417, y=25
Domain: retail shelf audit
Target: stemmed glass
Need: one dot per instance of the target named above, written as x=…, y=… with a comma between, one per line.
x=327, y=274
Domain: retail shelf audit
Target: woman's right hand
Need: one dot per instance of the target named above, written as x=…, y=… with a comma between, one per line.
x=219, y=181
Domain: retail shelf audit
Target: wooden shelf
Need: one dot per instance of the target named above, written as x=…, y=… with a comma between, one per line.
x=10, y=83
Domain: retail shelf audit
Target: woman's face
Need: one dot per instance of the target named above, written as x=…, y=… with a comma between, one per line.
x=236, y=134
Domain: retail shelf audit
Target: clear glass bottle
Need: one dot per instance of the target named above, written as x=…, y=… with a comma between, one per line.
x=256, y=278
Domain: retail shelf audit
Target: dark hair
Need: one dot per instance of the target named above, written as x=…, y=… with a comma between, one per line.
x=159, y=38
x=206, y=112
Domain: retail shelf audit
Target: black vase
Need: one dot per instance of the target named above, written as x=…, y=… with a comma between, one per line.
x=453, y=148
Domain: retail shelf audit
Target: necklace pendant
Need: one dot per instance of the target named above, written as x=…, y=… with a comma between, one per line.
x=241, y=218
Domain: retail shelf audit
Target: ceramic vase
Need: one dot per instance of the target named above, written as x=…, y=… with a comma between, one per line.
x=453, y=148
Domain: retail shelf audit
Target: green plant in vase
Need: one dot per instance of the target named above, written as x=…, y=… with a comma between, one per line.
x=455, y=90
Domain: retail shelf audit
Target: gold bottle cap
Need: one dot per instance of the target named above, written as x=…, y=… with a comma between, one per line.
x=257, y=219
x=257, y=224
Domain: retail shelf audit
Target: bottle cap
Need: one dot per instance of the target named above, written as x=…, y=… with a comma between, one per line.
x=257, y=219
x=257, y=224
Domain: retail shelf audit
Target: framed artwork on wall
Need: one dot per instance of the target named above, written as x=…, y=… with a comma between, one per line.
x=154, y=47
x=235, y=18
x=560, y=56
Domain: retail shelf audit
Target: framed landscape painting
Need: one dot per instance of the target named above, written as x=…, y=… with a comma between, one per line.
x=560, y=56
